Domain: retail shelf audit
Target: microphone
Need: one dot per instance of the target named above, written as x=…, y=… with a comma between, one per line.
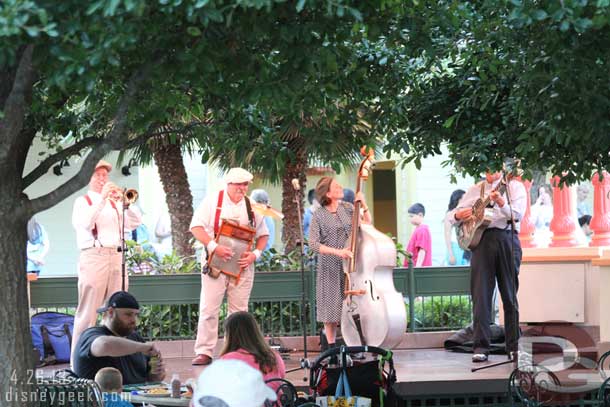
x=295, y=184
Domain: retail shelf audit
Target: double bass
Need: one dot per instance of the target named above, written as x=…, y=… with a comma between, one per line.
x=373, y=311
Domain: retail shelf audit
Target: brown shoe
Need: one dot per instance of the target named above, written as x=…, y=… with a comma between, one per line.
x=202, y=360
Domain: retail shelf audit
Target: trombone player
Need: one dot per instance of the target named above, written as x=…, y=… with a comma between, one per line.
x=97, y=218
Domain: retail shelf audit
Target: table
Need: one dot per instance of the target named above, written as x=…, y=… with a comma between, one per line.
x=157, y=401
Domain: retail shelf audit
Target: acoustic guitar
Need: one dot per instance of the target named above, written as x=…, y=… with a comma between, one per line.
x=470, y=231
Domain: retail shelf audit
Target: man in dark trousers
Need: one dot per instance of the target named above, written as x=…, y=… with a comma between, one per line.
x=497, y=257
x=117, y=344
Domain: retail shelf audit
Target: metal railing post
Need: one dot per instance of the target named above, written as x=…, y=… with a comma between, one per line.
x=411, y=272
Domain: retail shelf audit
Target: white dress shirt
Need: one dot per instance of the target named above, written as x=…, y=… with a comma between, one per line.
x=108, y=220
x=500, y=216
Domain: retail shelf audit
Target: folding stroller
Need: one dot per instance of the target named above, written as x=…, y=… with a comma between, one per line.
x=373, y=376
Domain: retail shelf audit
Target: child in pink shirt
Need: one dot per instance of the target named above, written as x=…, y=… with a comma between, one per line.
x=420, y=244
x=244, y=341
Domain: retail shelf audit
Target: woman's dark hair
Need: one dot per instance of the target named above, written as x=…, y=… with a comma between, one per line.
x=311, y=195
x=454, y=199
x=322, y=188
x=242, y=332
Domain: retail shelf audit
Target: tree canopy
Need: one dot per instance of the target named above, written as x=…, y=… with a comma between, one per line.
x=510, y=78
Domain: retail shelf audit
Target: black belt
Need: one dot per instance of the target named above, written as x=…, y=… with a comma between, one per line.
x=507, y=229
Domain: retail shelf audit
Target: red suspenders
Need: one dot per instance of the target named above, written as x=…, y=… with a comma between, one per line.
x=251, y=217
x=94, y=230
x=218, y=210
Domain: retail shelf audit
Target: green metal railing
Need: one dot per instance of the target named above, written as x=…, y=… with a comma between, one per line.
x=431, y=293
x=447, y=288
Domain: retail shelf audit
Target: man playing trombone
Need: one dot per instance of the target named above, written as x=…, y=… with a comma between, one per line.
x=97, y=220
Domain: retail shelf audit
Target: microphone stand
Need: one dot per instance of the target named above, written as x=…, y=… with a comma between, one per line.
x=513, y=355
x=122, y=249
x=305, y=364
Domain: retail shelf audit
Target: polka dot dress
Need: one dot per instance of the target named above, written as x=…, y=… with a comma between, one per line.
x=333, y=230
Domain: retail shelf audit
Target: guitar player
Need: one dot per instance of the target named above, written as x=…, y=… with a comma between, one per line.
x=496, y=257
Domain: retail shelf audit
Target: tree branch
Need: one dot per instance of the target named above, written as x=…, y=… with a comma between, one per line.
x=142, y=138
x=112, y=141
x=120, y=123
x=48, y=162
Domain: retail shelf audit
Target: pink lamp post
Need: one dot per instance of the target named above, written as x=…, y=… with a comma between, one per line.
x=600, y=222
x=562, y=224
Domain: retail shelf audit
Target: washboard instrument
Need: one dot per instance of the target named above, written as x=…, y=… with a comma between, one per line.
x=470, y=231
x=240, y=239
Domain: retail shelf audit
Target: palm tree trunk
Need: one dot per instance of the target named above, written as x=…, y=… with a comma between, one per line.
x=172, y=173
x=291, y=233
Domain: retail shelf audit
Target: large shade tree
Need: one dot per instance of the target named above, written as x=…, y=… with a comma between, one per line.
x=97, y=73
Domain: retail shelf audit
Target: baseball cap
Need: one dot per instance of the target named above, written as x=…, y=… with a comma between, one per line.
x=231, y=383
x=237, y=176
x=103, y=164
x=120, y=299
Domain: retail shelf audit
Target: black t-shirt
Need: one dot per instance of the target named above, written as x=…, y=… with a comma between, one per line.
x=133, y=367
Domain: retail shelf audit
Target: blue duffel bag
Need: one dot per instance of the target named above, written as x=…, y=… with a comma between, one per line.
x=52, y=336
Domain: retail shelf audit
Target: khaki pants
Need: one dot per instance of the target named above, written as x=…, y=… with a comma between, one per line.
x=99, y=276
x=212, y=294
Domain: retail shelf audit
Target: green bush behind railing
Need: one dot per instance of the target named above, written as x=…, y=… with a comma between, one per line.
x=442, y=313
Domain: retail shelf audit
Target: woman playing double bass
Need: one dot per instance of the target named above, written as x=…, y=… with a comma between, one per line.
x=330, y=229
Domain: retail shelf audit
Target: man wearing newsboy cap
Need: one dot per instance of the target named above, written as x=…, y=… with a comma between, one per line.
x=117, y=344
x=231, y=203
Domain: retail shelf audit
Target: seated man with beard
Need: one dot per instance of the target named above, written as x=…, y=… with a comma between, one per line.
x=117, y=344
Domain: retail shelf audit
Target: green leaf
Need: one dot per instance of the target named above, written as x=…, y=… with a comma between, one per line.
x=599, y=21
x=194, y=31
x=558, y=15
x=355, y=13
x=215, y=15
x=449, y=122
x=111, y=9
x=539, y=15
x=94, y=7
x=300, y=5
x=564, y=26
x=32, y=31
x=582, y=24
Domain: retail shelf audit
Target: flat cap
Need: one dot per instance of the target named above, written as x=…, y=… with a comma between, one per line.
x=237, y=176
x=103, y=164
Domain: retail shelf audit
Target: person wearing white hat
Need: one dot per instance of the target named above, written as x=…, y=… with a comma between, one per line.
x=97, y=220
x=231, y=383
x=233, y=204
